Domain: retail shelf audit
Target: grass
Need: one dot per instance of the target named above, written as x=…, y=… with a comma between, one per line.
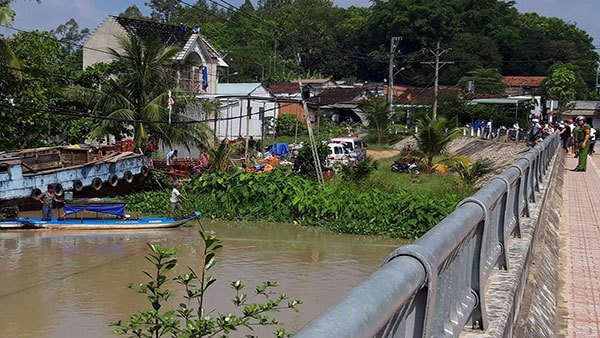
x=429, y=185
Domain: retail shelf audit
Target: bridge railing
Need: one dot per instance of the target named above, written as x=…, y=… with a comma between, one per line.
x=435, y=286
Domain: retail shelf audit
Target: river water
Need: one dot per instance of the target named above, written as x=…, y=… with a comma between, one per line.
x=74, y=283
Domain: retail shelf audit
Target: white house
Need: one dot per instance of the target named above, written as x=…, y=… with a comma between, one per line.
x=196, y=65
x=244, y=108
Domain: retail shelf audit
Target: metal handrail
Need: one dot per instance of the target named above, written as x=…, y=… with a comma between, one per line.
x=435, y=286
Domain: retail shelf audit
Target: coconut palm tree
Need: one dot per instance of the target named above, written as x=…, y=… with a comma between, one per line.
x=7, y=56
x=137, y=99
x=377, y=112
x=433, y=137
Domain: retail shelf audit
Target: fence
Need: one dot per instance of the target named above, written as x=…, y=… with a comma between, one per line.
x=435, y=287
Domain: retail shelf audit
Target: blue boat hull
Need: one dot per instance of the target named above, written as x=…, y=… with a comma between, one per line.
x=93, y=224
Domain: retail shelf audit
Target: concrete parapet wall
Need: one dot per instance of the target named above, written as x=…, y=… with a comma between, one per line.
x=538, y=315
x=521, y=300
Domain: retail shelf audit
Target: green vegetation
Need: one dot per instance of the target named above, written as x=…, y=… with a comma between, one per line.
x=433, y=138
x=280, y=196
x=486, y=81
x=191, y=318
x=140, y=92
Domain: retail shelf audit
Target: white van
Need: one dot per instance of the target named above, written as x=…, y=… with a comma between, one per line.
x=356, y=147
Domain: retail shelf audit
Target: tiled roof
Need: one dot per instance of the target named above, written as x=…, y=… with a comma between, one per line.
x=284, y=88
x=417, y=95
x=169, y=34
x=338, y=95
x=309, y=81
x=525, y=81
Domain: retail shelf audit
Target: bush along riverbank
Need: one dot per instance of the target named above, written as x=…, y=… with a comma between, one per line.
x=282, y=196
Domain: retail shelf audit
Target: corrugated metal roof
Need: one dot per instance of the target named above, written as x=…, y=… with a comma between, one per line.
x=586, y=105
x=498, y=101
x=236, y=89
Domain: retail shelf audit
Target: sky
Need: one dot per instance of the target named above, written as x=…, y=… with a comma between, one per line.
x=89, y=13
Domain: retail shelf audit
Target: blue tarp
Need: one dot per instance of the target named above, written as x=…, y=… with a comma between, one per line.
x=280, y=149
x=118, y=209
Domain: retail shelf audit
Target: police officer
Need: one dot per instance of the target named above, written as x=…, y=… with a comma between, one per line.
x=582, y=142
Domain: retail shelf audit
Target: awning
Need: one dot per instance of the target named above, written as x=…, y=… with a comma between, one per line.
x=508, y=100
x=113, y=209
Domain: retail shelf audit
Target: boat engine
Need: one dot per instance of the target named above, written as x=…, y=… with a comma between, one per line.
x=9, y=213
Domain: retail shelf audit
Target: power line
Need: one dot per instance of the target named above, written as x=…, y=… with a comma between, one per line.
x=68, y=112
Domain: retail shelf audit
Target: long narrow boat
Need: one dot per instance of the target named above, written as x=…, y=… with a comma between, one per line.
x=100, y=222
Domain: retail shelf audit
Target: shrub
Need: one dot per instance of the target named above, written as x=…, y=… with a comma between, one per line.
x=285, y=197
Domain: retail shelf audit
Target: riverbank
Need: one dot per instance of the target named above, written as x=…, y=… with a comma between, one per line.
x=398, y=209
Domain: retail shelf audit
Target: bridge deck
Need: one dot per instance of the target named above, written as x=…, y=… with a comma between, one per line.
x=582, y=194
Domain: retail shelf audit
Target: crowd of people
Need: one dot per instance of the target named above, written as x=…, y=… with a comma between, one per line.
x=578, y=139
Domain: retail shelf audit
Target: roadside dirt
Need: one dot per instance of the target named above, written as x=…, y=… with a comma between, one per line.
x=379, y=154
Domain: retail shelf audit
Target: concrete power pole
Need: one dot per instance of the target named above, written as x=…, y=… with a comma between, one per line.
x=394, y=42
x=437, y=65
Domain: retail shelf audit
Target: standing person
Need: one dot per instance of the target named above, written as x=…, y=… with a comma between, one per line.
x=592, y=140
x=582, y=143
x=47, y=199
x=171, y=156
x=571, y=125
x=174, y=200
x=565, y=133
x=148, y=149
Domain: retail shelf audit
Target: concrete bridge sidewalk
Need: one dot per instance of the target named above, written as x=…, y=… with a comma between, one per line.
x=581, y=289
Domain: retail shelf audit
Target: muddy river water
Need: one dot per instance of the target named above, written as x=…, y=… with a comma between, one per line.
x=74, y=283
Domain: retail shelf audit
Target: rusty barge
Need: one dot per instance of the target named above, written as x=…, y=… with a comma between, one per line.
x=26, y=173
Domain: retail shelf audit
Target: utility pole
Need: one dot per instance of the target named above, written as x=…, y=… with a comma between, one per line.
x=437, y=65
x=311, y=137
x=249, y=112
x=394, y=43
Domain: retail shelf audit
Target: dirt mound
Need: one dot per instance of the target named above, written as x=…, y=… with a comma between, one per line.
x=379, y=154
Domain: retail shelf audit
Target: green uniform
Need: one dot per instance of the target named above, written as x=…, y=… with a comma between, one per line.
x=580, y=135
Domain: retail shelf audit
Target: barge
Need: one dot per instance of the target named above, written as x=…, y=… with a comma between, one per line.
x=25, y=174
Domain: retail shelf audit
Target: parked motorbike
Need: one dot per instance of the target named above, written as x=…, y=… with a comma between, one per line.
x=408, y=168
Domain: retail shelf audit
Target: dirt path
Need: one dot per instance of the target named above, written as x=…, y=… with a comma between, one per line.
x=379, y=154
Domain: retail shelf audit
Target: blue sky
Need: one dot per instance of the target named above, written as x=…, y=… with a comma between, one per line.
x=89, y=13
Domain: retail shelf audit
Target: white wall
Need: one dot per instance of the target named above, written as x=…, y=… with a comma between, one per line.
x=97, y=45
x=235, y=126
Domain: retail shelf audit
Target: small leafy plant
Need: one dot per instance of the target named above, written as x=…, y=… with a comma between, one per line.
x=190, y=318
x=359, y=171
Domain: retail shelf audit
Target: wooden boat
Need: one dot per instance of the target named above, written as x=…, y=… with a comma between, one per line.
x=78, y=220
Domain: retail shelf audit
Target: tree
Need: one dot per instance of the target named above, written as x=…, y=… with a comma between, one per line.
x=133, y=12
x=564, y=83
x=433, y=138
x=486, y=80
x=377, y=112
x=165, y=10
x=7, y=56
x=36, y=88
x=139, y=96
x=71, y=36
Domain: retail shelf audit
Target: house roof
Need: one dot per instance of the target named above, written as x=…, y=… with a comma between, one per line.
x=236, y=89
x=338, y=95
x=418, y=96
x=284, y=88
x=525, y=81
x=586, y=105
x=169, y=34
x=507, y=100
x=313, y=81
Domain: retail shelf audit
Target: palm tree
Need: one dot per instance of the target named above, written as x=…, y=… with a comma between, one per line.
x=7, y=56
x=470, y=173
x=433, y=137
x=138, y=96
x=377, y=111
